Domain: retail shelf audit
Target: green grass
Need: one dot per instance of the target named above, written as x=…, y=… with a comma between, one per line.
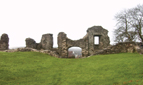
x=31, y=68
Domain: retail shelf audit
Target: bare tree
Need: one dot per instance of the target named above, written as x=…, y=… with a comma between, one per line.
x=124, y=30
x=129, y=25
x=137, y=20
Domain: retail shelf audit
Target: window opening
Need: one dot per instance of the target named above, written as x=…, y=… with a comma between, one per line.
x=96, y=40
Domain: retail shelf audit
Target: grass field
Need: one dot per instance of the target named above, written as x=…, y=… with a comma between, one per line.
x=31, y=68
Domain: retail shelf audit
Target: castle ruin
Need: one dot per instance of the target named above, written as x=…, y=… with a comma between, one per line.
x=87, y=43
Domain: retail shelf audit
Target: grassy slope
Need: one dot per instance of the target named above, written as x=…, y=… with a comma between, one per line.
x=31, y=68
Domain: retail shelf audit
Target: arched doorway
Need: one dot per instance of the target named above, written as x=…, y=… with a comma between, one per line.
x=74, y=52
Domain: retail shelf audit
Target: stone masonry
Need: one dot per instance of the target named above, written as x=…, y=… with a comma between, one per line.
x=4, y=42
x=122, y=47
x=46, y=42
x=31, y=43
x=64, y=43
x=86, y=43
x=104, y=40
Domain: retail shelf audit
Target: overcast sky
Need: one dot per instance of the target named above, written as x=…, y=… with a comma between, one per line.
x=22, y=19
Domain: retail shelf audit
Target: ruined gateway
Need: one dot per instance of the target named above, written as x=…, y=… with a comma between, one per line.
x=64, y=43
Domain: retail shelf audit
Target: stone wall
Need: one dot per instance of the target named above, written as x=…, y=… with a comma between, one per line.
x=86, y=43
x=31, y=43
x=4, y=42
x=49, y=52
x=46, y=42
x=104, y=40
x=64, y=43
x=123, y=47
x=82, y=43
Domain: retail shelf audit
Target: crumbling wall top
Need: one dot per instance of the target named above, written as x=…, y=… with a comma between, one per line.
x=97, y=30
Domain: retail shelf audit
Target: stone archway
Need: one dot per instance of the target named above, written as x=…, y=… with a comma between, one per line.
x=64, y=43
x=74, y=52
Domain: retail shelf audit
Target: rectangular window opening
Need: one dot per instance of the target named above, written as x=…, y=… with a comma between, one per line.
x=96, y=40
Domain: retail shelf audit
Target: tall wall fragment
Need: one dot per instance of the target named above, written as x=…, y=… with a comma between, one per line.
x=47, y=41
x=31, y=43
x=4, y=42
x=62, y=48
x=104, y=40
